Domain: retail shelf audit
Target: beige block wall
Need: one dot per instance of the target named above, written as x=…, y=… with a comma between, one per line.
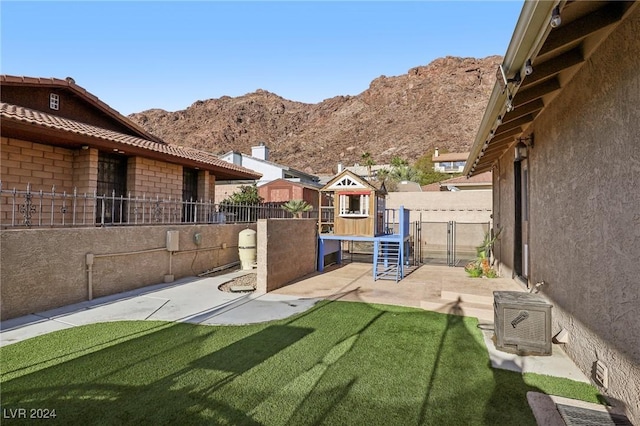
x=154, y=178
x=444, y=206
x=287, y=250
x=43, y=166
x=85, y=170
x=37, y=275
x=584, y=221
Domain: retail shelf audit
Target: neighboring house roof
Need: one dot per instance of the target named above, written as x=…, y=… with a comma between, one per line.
x=408, y=186
x=450, y=156
x=482, y=179
x=288, y=182
x=271, y=163
x=432, y=187
x=555, y=54
x=69, y=84
x=63, y=131
x=364, y=170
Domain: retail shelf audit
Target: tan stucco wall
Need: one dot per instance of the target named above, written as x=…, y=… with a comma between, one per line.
x=585, y=212
x=45, y=268
x=444, y=206
x=286, y=251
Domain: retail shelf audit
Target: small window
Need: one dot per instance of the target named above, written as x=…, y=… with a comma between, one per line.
x=54, y=101
x=354, y=205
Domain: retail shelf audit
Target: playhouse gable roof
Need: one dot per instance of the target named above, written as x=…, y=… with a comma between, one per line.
x=347, y=180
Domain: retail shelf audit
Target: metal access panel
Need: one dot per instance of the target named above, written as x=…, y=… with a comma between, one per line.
x=522, y=323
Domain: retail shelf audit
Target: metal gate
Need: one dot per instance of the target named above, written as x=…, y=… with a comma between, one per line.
x=446, y=243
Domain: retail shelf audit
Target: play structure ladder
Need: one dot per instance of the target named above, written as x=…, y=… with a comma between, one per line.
x=388, y=261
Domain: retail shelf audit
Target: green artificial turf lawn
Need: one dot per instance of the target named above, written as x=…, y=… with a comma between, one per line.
x=339, y=363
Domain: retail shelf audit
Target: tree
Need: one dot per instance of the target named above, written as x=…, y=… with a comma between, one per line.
x=398, y=162
x=428, y=175
x=297, y=207
x=247, y=194
x=241, y=206
x=368, y=161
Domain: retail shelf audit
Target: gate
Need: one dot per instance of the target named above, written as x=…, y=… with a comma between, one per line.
x=446, y=243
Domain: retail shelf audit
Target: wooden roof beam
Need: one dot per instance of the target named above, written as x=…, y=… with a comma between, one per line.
x=536, y=92
x=553, y=67
x=579, y=29
x=528, y=108
x=505, y=127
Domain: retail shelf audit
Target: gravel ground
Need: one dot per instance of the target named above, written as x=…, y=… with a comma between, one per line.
x=248, y=280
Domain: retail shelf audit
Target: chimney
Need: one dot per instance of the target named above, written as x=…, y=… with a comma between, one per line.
x=261, y=152
x=436, y=153
x=340, y=168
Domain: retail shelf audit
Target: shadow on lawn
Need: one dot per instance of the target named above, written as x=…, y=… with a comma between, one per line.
x=507, y=402
x=95, y=387
x=338, y=363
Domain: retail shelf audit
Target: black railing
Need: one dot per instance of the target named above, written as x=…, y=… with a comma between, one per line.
x=29, y=209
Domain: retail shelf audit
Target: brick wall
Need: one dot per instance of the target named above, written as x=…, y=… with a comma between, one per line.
x=154, y=178
x=45, y=168
x=42, y=166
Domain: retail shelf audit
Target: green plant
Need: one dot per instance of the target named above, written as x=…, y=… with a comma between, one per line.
x=481, y=266
x=297, y=207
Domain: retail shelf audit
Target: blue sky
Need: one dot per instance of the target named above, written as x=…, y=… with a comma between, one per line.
x=141, y=55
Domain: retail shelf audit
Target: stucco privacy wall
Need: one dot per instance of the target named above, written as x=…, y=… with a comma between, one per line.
x=46, y=268
x=585, y=212
x=444, y=206
x=286, y=251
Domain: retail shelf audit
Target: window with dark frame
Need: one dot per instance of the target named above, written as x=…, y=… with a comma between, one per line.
x=189, y=194
x=111, y=185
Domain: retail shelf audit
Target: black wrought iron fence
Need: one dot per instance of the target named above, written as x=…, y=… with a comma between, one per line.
x=28, y=208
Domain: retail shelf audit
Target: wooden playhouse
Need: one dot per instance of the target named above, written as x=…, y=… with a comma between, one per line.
x=353, y=209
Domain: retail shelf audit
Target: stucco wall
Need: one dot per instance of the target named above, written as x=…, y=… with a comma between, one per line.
x=444, y=206
x=46, y=268
x=286, y=251
x=584, y=212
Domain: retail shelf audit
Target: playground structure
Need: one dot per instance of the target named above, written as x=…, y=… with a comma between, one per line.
x=353, y=209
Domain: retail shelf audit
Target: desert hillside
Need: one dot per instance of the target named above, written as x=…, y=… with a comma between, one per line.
x=437, y=105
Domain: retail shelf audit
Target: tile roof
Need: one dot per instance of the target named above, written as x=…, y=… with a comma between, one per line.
x=480, y=179
x=450, y=156
x=173, y=152
x=70, y=84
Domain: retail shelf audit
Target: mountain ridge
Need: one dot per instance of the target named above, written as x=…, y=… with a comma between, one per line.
x=435, y=105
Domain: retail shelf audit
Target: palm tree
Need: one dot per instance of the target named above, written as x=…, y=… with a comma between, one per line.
x=297, y=207
x=368, y=161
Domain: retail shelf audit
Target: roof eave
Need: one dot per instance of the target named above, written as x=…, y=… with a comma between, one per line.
x=530, y=31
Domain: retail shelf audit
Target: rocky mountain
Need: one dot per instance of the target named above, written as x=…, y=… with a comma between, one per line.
x=437, y=105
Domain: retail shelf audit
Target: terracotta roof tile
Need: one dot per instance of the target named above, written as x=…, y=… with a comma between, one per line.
x=37, y=118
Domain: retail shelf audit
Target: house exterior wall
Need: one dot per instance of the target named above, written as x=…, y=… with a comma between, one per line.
x=42, y=166
x=223, y=191
x=282, y=191
x=154, y=178
x=36, y=277
x=584, y=223
x=269, y=171
x=279, y=241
